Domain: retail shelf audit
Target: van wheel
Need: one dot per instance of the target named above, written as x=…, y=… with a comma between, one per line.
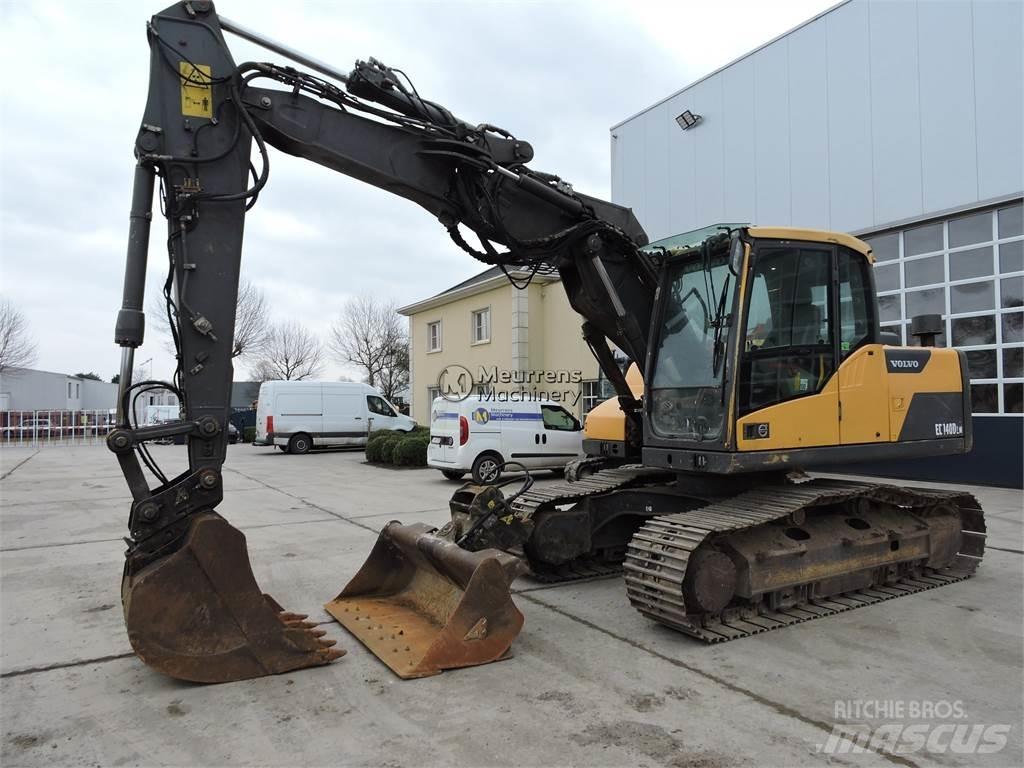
x=300, y=443
x=452, y=475
x=486, y=468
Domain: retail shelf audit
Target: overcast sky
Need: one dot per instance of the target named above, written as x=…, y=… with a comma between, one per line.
x=558, y=74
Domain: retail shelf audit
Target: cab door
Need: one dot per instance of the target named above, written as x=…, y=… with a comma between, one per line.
x=788, y=396
x=863, y=382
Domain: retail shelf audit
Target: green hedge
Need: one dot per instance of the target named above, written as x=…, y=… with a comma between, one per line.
x=403, y=449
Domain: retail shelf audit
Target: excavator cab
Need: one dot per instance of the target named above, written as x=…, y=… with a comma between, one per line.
x=765, y=338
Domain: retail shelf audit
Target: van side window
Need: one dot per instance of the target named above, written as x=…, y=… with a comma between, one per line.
x=378, y=405
x=556, y=417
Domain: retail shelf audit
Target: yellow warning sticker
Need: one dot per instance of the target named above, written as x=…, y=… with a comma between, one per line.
x=196, y=90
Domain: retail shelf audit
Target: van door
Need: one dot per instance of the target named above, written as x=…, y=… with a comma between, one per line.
x=379, y=413
x=444, y=431
x=562, y=435
x=521, y=433
x=344, y=418
x=298, y=410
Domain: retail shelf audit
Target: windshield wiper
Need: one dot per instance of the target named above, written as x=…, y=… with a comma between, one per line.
x=719, y=323
x=680, y=320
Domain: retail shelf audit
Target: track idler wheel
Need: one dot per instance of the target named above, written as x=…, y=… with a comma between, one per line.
x=422, y=604
x=197, y=614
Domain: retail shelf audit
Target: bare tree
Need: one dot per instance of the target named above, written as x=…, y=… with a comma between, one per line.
x=252, y=320
x=290, y=353
x=17, y=348
x=370, y=334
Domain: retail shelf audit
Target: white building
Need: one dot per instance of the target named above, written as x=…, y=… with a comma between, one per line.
x=900, y=122
x=26, y=389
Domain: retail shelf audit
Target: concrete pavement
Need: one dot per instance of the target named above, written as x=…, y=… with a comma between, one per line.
x=591, y=683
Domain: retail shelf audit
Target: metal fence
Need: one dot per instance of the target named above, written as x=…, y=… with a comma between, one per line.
x=55, y=427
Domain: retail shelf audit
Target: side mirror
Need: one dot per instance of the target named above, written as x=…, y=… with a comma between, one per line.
x=736, y=251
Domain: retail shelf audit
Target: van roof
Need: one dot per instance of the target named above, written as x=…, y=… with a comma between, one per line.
x=309, y=384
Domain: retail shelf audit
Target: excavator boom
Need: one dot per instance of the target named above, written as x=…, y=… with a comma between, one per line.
x=192, y=607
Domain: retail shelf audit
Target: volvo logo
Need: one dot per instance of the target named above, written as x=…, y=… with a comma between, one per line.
x=907, y=360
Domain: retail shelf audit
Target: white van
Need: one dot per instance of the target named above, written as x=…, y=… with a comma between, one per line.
x=158, y=414
x=299, y=415
x=478, y=434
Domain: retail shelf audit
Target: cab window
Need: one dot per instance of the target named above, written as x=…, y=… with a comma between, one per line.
x=556, y=417
x=789, y=346
x=379, y=406
x=855, y=306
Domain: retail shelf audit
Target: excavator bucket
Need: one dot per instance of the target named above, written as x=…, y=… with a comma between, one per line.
x=197, y=613
x=422, y=604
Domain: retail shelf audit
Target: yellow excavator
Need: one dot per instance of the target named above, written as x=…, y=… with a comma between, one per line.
x=760, y=350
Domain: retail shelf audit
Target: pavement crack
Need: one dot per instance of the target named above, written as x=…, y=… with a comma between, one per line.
x=65, y=665
x=1006, y=549
x=12, y=470
x=102, y=541
x=308, y=503
x=776, y=706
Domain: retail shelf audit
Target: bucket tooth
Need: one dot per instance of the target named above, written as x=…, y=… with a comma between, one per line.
x=197, y=614
x=422, y=604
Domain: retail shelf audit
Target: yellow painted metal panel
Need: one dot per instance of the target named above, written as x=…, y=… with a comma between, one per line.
x=940, y=374
x=863, y=390
x=814, y=236
x=805, y=422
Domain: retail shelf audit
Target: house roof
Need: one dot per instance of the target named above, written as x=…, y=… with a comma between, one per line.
x=487, y=280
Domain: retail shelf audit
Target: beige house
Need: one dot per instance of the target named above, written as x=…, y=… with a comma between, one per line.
x=510, y=341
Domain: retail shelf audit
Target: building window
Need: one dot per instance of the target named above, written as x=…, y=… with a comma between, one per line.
x=968, y=268
x=432, y=394
x=434, y=336
x=482, y=326
x=77, y=390
x=593, y=394
x=69, y=390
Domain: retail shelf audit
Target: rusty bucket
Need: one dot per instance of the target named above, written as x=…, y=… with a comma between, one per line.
x=197, y=613
x=422, y=604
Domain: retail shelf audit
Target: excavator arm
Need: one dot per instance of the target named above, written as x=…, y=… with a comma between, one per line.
x=192, y=606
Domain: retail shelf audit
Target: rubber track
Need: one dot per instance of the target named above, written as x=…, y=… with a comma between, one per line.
x=531, y=502
x=657, y=557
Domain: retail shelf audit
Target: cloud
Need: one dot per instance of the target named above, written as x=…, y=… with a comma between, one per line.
x=557, y=74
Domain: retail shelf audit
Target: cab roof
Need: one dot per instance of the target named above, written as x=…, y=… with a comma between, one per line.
x=815, y=236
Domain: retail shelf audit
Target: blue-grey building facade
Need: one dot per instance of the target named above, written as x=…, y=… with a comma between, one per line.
x=900, y=122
